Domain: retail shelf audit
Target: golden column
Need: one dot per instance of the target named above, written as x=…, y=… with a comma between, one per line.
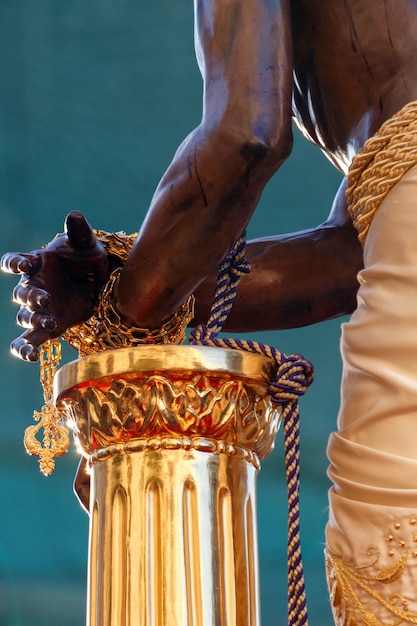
x=174, y=436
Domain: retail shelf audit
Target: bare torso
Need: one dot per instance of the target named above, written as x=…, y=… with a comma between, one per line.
x=354, y=67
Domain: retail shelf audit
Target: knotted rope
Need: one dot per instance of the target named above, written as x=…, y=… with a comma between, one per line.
x=293, y=378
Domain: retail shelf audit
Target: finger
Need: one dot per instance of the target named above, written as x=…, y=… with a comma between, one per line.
x=33, y=297
x=26, y=346
x=34, y=319
x=24, y=349
x=79, y=232
x=17, y=263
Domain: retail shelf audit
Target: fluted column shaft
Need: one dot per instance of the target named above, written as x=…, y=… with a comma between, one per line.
x=181, y=526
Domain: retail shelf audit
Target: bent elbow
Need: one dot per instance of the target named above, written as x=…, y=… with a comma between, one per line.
x=267, y=146
x=256, y=148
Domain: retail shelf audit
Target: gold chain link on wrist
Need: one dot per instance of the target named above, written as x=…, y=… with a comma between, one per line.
x=106, y=329
x=117, y=244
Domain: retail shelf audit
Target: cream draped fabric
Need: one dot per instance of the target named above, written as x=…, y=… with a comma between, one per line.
x=372, y=531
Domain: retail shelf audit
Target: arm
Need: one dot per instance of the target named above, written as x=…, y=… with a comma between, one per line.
x=296, y=279
x=211, y=189
x=209, y=192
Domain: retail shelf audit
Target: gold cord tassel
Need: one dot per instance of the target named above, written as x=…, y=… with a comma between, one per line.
x=55, y=440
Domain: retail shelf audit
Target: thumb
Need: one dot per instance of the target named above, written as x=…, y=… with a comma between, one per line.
x=79, y=232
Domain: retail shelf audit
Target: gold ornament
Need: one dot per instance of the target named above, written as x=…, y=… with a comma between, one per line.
x=55, y=439
x=348, y=584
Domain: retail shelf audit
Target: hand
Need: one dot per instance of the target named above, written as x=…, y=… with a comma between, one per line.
x=82, y=484
x=59, y=284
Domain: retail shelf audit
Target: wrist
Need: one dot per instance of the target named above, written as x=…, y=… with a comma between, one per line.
x=109, y=329
x=115, y=329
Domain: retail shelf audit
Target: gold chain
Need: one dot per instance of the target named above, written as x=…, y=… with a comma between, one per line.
x=106, y=329
x=55, y=437
x=117, y=244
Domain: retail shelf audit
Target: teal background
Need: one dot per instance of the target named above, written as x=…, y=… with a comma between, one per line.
x=95, y=97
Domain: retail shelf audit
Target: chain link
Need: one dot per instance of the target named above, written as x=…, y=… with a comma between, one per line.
x=55, y=439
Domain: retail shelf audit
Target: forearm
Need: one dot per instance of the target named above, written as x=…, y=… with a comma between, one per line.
x=193, y=223
x=212, y=187
x=296, y=280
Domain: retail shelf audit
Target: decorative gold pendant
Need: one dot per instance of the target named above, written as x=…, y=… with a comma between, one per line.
x=55, y=439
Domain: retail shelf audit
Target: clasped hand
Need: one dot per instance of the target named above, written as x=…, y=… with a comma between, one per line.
x=59, y=284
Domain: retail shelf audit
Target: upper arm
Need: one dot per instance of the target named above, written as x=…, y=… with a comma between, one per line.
x=244, y=50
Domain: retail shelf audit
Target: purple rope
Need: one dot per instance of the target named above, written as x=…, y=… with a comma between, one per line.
x=294, y=376
x=292, y=381
x=231, y=269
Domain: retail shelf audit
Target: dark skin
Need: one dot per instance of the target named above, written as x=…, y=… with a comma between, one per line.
x=350, y=65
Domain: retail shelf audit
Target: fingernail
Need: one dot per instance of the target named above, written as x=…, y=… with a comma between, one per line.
x=43, y=301
x=24, y=266
x=32, y=355
x=48, y=323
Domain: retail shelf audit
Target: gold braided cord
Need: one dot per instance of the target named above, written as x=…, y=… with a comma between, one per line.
x=379, y=165
x=345, y=581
